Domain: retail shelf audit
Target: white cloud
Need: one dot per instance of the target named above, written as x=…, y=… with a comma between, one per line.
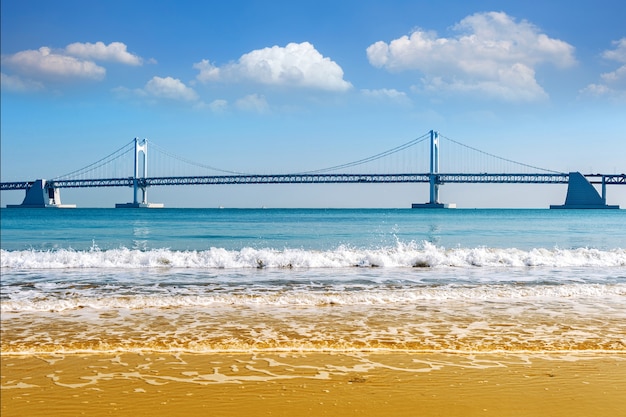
x=596, y=90
x=14, y=83
x=74, y=62
x=208, y=72
x=616, y=77
x=125, y=92
x=170, y=88
x=115, y=51
x=45, y=63
x=492, y=55
x=219, y=105
x=614, y=82
x=619, y=53
x=512, y=84
x=387, y=94
x=253, y=102
x=295, y=65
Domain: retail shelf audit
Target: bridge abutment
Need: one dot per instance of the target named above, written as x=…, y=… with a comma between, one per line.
x=39, y=195
x=581, y=194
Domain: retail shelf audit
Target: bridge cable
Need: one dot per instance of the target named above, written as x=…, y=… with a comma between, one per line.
x=101, y=161
x=373, y=157
x=190, y=162
x=499, y=157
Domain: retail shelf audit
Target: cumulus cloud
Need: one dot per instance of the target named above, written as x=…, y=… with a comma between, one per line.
x=386, y=94
x=44, y=62
x=170, y=88
x=613, y=83
x=619, y=53
x=208, y=71
x=492, y=55
x=14, y=83
x=76, y=61
x=253, y=102
x=115, y=52
x=219, y=105
x=295, y=65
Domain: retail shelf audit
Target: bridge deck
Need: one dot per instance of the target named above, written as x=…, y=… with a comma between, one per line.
x=442, y=178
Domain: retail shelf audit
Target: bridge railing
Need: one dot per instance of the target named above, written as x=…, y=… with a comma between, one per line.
x=18, y=185
x=442, y=178
x=486, y=178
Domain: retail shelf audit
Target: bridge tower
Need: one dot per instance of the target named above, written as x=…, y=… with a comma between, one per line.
x=434, y=176
x=139, y=183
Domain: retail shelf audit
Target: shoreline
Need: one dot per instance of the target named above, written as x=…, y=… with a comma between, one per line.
x=291, y=383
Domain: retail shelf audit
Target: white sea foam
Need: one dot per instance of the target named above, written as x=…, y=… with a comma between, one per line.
x=402, y=255
x=108, y=298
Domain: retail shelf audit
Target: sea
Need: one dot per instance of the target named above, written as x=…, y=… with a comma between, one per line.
x=312, y=280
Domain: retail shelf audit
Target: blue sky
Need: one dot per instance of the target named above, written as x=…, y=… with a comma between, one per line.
x=287, y=86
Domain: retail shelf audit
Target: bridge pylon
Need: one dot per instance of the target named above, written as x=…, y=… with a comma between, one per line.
x=141, y=147
x=434, y=176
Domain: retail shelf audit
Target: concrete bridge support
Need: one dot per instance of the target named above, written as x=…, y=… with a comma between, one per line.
x=39, y=195
x=434, y=176
x=140, y=147
x=581, y=194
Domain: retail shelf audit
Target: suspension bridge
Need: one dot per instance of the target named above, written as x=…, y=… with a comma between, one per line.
x=416, y=161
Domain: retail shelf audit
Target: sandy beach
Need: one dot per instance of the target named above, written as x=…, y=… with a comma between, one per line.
x=315, y=384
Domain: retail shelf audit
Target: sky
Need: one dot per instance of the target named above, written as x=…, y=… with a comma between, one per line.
x=287, y=86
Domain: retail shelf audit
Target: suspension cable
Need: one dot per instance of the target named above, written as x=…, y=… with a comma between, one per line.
x=373, y=157
x=346, y=165
x=190, y=162
x=499, y=157
x=101, y=162
x=128, y=147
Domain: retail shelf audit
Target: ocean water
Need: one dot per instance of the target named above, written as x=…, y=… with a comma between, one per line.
x=231, y=280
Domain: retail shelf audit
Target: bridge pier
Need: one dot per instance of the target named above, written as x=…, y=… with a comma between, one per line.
x=139, y=205
x=143, y=149
x=434, y=176
x=39, y=195
x=581, y=194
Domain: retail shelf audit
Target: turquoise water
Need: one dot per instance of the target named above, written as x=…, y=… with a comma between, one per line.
x=315, y=229
x=233, y=279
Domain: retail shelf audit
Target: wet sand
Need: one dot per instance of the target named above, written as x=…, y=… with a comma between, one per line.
x=315, y=384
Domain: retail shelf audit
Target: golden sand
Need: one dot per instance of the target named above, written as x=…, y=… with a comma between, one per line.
x=314, y=384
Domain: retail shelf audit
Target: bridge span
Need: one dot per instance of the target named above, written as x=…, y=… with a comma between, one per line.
x=442, y=178
x=581, y=193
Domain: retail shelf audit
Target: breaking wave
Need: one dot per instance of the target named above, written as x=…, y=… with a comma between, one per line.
x=423, y=254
